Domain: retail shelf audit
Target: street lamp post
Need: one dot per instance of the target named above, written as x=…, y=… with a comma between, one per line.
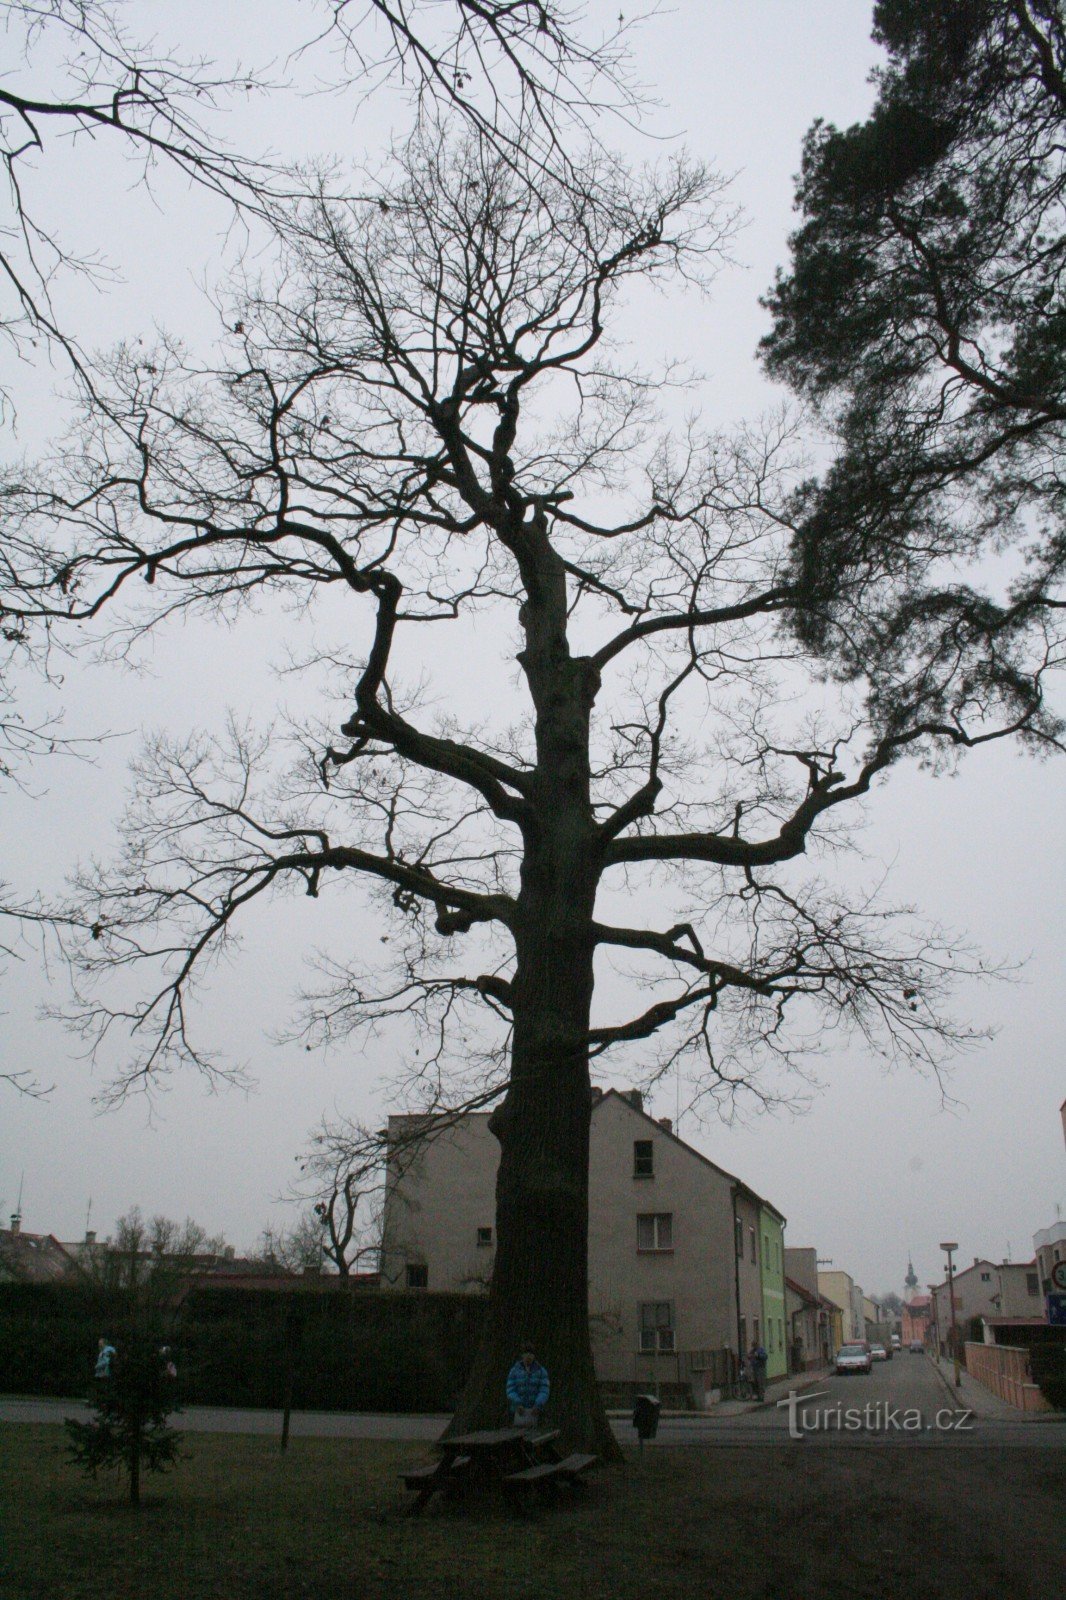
x=935, y=1313
x=949, y=1250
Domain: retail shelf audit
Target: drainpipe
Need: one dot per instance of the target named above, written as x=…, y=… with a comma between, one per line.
x=736, y=1277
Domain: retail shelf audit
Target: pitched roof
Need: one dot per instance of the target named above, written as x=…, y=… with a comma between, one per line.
x=623, y=1097
x=638, y=1111
x=34, y=1257
x=818, y=1300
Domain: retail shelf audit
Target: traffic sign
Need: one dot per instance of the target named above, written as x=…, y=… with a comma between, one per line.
x=1058, y=1275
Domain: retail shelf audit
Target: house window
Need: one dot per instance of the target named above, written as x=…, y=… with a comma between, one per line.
x=751, y=1239
x=417, y=1275
x=484, y=1237
x=656, y=1326
x=767, y=1257
x=655, y=1230
x=780, y=1335
x=986, y=1277
x=738, y=1229
x=1032, y=1283
x=643, y=1158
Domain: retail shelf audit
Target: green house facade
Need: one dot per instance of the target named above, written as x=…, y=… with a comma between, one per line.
x=772, y=1270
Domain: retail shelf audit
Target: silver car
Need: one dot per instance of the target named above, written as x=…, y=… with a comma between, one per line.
x=854, y=1358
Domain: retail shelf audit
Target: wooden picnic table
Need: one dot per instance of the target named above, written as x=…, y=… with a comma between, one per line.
x=510, y=1457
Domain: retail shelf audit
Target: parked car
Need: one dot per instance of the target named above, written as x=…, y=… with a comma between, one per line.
x=897, y=1342
x=854, y=1358
x=878, y=1352
x=917, y=1347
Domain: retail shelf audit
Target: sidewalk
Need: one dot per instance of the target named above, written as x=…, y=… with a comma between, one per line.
x=981, y=1401
x=796, y=1382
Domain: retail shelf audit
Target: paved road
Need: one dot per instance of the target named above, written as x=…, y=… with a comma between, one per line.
x=904, y=1403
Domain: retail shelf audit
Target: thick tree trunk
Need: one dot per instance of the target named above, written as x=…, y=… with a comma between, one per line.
x=539, y=1288
x=540, y=1280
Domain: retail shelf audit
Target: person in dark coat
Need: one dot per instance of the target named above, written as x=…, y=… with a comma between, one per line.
x=527, y=1389
x=757, y=1360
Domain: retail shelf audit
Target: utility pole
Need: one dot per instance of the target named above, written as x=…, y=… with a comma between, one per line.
x=949, y=1250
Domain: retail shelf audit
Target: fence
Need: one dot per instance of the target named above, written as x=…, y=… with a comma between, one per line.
x=1005, y=1369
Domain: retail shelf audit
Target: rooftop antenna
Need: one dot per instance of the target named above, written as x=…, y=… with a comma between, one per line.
x=88, y=1213
x=18, y=1202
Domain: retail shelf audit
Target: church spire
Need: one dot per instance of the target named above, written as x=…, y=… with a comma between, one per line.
x=911, y=1280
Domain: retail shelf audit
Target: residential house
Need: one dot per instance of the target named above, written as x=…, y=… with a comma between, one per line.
x=871, y=1316
x=678, y=1281
x=772, y=1234
x=34, y=1257
x=840, y=1288
x=808, y=1313
x=1049, y=1245
x=916, y=1321
x=987, y=1292
x=1049, y=1248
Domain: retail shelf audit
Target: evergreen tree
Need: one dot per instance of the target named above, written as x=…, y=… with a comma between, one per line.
x=923, y=315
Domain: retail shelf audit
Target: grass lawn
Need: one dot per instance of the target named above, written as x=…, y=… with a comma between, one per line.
x=237, y=1521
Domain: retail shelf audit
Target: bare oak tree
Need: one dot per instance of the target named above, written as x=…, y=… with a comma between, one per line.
x=418, y=433
x=79, y=72
x=90, y=73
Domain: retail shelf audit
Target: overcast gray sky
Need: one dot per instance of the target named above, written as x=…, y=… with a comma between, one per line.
x=879, y=1167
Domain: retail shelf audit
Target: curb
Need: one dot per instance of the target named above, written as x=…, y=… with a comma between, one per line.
x=1028, y=1417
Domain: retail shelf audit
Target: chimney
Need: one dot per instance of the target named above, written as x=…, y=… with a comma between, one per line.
x=977, y=1261
x=596, y=1092
x=635, y=1098
x=665, y=1122
x=229, y=1252
x=90, y=1237
x=16, y=1221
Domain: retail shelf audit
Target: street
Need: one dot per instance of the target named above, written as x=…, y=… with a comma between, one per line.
x=905, y=1402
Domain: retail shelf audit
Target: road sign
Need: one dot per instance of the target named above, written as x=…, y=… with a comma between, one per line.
x=1058, y=1275
x=1056, y=1310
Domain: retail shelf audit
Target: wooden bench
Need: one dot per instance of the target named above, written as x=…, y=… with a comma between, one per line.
x=548, y=1472
x=433, y=1475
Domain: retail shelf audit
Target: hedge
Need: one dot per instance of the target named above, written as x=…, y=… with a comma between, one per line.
x=341, y=1349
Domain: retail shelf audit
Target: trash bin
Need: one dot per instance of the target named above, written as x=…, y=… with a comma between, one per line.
x=646, y=1410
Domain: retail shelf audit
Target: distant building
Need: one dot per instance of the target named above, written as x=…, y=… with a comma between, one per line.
x=916, y=1321
x=34, y=1257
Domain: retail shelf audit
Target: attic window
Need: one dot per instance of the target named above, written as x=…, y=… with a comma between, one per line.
x=484, y=1237
x=643, y=1158
x=417, y=1275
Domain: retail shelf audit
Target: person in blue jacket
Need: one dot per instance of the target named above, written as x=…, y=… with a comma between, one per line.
x=105, y=1355
x=527, y=1389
